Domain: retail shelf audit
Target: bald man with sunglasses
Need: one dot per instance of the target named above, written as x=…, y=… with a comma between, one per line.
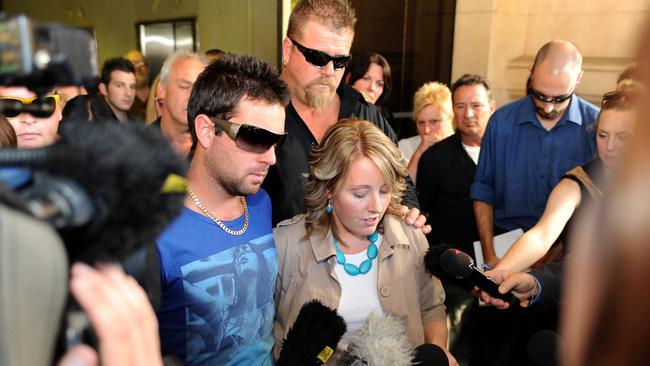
x=315, y=54
x=218, y=263
x=35, y=120
x=530, y=143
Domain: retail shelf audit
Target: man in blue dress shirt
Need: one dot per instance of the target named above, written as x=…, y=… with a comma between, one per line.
x=530, y=143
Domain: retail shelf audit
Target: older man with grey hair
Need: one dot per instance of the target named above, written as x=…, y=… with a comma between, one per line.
x=177, y=76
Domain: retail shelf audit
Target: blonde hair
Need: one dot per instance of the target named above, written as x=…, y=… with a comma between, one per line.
x=346, y=142
x=153, y=106
x=336, y=15
x=134, y=56
x=433, y=93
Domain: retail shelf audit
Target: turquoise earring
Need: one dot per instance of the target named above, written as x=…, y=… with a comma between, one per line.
x=329, y=209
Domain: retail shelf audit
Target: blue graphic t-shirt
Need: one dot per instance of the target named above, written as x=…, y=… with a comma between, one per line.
x=217, y=289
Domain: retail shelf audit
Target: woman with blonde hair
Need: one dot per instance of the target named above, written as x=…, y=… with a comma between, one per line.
x=351, y=250
x=433, y=115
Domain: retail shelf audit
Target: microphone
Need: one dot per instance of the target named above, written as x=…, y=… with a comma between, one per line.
x=543, y=348
x=313, y=337
x=432, y=265
x=109, y=188
x=429, y=355
x=381, y=341
x=461, y=265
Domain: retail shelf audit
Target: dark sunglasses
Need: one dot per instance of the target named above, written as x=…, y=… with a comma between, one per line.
x=320, y=59
x=39, y=107
x=249, y=138
x=546, y=99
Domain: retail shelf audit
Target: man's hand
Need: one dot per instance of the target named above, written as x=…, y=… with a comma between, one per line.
x=121, y=315
x=522, y=285
x=413, y=218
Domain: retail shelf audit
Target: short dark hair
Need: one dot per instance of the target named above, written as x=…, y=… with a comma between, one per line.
x=91, y=108
x=469, y=80
x=224, y=82
x=116, y=64
x=360, y=65
x=214, y=52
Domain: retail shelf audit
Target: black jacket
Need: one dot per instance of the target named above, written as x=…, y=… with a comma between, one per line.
x=286, y=180
x=445, y=175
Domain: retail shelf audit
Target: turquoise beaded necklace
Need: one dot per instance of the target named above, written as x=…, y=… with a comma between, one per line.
x=366, y=265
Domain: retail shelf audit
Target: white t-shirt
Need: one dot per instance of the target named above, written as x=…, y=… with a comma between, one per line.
x=409, y=145
x=473, y=152
x=359, y=295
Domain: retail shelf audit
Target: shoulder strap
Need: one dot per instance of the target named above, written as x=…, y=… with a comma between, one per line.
x=582, y=176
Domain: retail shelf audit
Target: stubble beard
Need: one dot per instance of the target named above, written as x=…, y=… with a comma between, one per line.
x=236, y=187
x=549, y=116
x=233, y=185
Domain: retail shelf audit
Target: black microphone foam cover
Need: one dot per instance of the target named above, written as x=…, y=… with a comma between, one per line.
x=543, y=348
x=456, y=263
x=432, y=260
x=313, y=337
x=432, y=265
x=429, y=355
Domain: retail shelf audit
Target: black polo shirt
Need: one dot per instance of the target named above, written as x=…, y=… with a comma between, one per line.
x=445, y=175
x=286, y=179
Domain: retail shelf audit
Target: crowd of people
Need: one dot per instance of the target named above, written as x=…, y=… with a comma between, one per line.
x=298, y=190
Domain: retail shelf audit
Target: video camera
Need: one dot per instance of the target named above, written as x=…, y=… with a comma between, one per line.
x=42, y=56
x=104, y=191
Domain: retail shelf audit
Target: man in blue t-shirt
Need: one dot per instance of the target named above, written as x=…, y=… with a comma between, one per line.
x=217, y=260
x=530, y=143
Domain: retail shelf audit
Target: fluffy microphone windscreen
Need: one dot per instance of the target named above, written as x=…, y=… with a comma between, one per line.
x=313, y=337
x=381, y=341
x=123, y=168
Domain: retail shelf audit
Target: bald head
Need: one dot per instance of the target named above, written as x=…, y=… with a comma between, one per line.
x=556, y=73
x=558, y=57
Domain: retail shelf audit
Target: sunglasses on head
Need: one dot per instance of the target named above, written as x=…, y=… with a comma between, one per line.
x=546, y=99
x=249, y=138
x=39, y=107
x=619, y=100
x=320, y=59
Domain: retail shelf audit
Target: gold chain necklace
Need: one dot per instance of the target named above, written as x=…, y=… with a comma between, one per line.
x=217, y=221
